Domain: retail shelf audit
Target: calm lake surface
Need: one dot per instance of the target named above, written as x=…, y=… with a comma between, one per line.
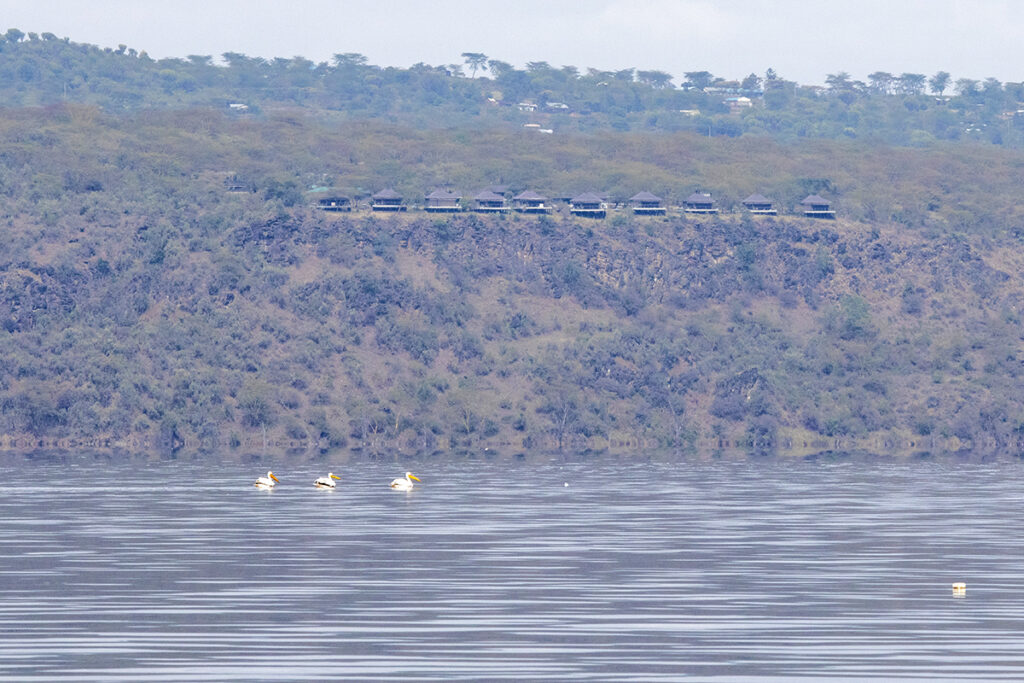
x=495, y=570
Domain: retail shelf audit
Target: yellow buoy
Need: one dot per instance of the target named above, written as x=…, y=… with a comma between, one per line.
x=959, y=590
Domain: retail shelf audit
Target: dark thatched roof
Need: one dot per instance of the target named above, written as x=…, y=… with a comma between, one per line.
x=488, y=196
x=530, y=195
x=815, y=199
x=443, y=194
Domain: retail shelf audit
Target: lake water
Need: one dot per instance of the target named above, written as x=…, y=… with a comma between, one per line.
x=495, y=570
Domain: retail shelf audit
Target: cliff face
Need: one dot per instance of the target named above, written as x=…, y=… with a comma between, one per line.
x=517, y=332
x=145, y=305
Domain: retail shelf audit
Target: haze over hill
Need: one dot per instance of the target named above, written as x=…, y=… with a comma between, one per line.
x=977, y=39
x=898, y=108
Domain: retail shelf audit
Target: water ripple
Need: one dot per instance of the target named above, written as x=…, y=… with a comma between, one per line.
x=636, y=571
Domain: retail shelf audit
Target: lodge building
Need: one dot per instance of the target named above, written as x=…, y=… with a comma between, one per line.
x=699, y=202
x=335, y=204
x=529, y=201
x=587, y=205
x=387, y=200
x=647, y=204
x=760, y=205
x=815, y=206
x=442, y=201
x=494, y=200
x=490, y=202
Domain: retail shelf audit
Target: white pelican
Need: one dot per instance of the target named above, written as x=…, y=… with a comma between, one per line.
x=326, y=482
x=404, y=484
x=267, y=482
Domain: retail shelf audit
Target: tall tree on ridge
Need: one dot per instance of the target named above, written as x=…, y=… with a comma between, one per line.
x=475, y=60
x=939, y=82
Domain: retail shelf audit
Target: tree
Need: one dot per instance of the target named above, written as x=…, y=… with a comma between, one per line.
x=939, y=82
x=851, y=319
x=966, y=87
x=992, y=87
x=698, y=80
x=839, y=83
x=751, y=82
x=656, y=79
x=1014, y=90
x=257, y=408
x=881, y=82
x=911, y=84
x=349, y=59
x=778, y=93
x=475, y=60
x=562, y=409
x=234, y=59
x=499, y=68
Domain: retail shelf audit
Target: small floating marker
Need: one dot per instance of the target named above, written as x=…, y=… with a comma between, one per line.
x=959, y=590
x=566, y=484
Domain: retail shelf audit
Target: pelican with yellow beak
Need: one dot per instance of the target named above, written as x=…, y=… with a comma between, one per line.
x=404, y=484
x=326, y=482
x=267, y=482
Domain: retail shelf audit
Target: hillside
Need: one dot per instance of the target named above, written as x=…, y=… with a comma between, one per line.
x=904, y=109
x=144, y=306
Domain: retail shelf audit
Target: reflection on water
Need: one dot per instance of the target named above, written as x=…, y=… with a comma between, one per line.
x=635, y=571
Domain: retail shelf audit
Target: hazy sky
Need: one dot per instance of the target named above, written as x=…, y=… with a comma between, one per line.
x=803, y=40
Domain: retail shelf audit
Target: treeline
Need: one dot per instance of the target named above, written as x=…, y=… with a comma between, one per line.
x=901, y=109
x=139, y=299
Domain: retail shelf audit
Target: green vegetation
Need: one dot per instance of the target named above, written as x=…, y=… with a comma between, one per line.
x=142, y=303
x=901, y=109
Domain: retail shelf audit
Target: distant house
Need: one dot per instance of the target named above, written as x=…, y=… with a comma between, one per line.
x=529, y=201
x=699, y=202
x=760, y=205
x=387, y=200
x=442, y=201
x=815, y=206
x=588, y=205
x=334, y=204
x=738, y=103
x=527, y=106
x=646, y=204
x=489, y=202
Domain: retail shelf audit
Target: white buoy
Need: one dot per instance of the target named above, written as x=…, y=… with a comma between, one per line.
x=566, y=484
x=959, y=590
